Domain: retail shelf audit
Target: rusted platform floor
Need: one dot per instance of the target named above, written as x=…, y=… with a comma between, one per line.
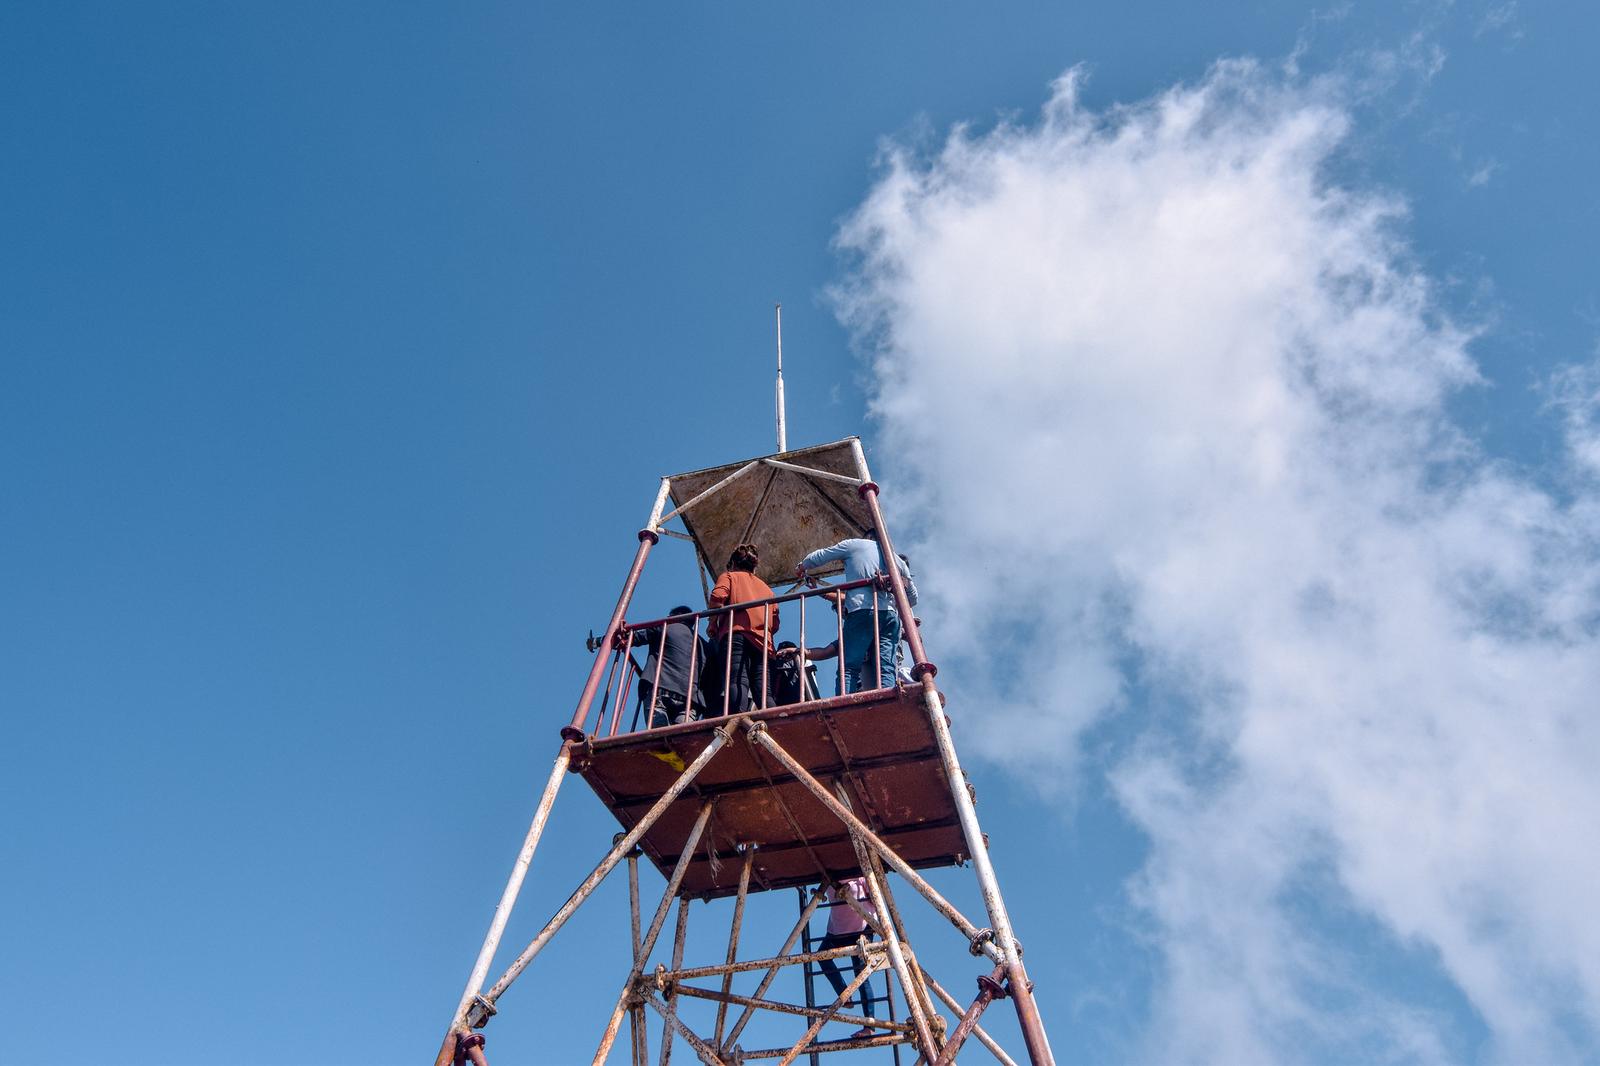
x=879, y=744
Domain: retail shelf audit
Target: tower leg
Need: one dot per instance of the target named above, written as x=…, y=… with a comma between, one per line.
x=480, y=969
x=1021, y=992
x=508, y=899
x=678, y=937
x=733, y=942
x=636, y=1026
x=1020, y=989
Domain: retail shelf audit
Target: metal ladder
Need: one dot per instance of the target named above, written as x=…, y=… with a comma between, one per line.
x=813, y=973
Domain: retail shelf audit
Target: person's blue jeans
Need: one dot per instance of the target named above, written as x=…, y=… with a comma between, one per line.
x=866, y=657
x=830, y=968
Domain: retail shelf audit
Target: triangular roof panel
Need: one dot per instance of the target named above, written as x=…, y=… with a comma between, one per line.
x=787, y=504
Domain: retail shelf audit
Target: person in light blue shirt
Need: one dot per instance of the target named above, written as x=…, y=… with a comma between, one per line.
x=867, y=663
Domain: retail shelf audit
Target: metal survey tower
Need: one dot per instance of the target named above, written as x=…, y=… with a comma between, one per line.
x=786, y=795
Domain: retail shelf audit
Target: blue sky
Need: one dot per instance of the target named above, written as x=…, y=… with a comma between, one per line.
x=342, y=347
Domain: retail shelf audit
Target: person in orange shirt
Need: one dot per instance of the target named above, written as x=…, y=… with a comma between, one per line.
x=744, y=637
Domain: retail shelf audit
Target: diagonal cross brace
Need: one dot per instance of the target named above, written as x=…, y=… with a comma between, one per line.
x=857, y=827
x=607, y=864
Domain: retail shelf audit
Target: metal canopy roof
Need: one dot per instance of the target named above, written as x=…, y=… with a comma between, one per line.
x=787, y=504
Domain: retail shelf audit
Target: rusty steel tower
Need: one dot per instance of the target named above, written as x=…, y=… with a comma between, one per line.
x=801, y=794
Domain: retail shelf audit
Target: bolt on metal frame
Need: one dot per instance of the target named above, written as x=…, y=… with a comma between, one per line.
x=661, y=990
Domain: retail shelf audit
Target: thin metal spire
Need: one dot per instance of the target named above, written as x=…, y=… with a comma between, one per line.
x=783, y=445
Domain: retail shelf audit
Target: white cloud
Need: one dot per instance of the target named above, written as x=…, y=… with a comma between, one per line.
x=1167, y=406
x=1501, y=18
x=1575, y=392
x=1483, y=173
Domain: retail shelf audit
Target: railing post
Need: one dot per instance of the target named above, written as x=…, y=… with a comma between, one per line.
x=647, y=539
x=628, y=668
x=838, y=617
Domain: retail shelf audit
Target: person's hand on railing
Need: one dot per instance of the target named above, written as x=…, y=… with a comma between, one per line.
x=809, y=654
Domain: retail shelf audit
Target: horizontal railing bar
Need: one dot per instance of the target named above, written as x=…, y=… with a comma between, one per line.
x=786, y=1008
x=756, y=964
x=821, y=590
x=823, y=1047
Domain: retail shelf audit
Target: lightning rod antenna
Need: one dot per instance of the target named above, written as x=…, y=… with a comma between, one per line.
x=783, y=445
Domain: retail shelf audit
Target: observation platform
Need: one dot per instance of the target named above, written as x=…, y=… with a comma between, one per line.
x=877, y=744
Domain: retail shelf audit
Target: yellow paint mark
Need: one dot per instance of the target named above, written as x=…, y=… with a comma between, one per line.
x=670, y=759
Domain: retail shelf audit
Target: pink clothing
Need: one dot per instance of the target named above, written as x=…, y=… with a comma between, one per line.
x=843, y=919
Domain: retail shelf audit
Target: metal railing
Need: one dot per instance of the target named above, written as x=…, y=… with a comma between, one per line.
x=713, y=653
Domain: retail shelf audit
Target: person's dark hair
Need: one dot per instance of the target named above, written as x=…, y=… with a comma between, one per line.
x=787, y=644
x=680, y=610
x=745, y=557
